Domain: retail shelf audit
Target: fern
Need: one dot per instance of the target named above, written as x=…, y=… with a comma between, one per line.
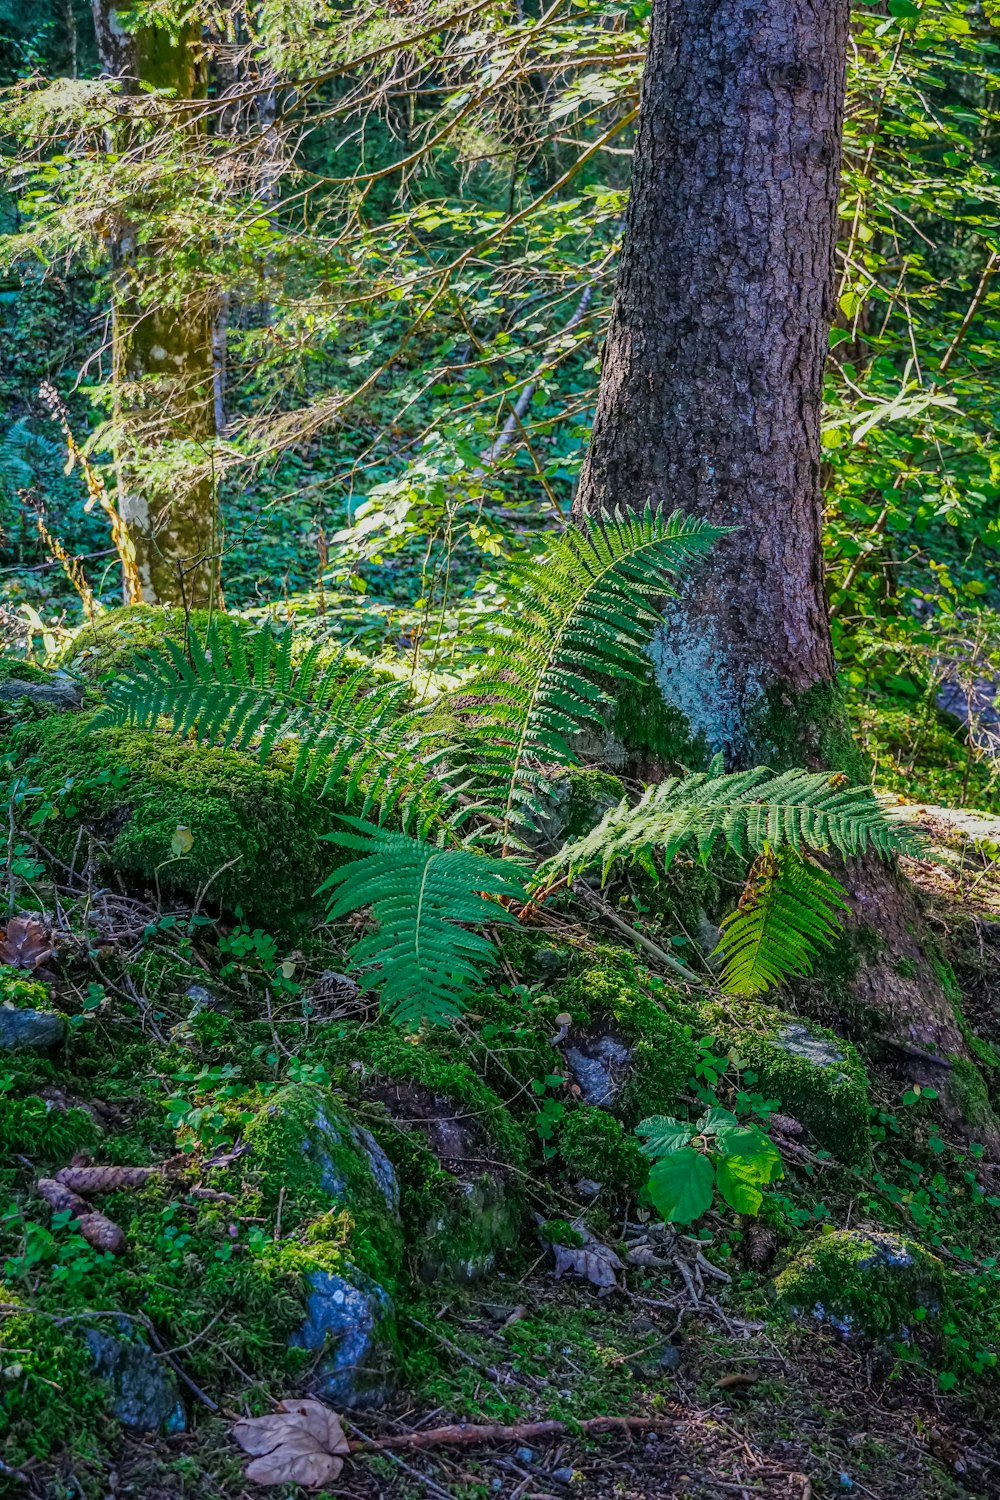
x=420, y=895
x=789, y=909
x=586, y=609
x=746, y=810
x=23, y=453
x=241, y=692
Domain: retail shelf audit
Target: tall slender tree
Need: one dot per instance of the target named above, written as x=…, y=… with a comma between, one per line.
x=163, y=362
x=710, y=402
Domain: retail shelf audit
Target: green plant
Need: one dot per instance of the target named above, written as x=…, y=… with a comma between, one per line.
x=689, y=1162
x=584, y=610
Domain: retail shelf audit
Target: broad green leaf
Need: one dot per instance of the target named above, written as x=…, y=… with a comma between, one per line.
x=717, y=1120
x=681, y=1186
x=739, y=1184
x=665, y=1134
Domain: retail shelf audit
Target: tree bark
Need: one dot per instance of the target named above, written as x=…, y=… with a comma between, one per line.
x=710, y=403
x=713, y=368
x=163, y=359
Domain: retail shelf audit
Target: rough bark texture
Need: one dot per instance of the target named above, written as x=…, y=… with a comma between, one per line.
x=713, y=368
x=710, y=403
x=164, y=368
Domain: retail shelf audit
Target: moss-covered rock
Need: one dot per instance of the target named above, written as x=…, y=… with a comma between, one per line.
x=305, y=1147
x=255, y=835
x=606, y=999
x=861, y=1282
x=114, y=640
x=815, y=1075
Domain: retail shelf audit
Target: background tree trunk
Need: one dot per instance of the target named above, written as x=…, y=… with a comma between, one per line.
x=713, y=368
x=164, y=365
x=710, y=402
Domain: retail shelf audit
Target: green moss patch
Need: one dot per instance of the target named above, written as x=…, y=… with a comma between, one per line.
x=255, y=835
x=871, y=1283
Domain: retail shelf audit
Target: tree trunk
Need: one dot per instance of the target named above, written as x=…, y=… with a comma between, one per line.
x=713, y=368
x=710, y=403
x=164, y=368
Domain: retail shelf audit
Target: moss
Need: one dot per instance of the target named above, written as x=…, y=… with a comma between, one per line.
x=872, y=1283
x=593, y=1144
x=306, y=1150
x=118, y=638
x=591, y=793
x=256, y=835
x=50, y=1400
x=34, y=1127
x=654, y=730
x=22, y=670
x=818, y=1078
x=965, y=1085
x=810, y=728
x=560, y=1232
x=23, y=993
x=663, y=1052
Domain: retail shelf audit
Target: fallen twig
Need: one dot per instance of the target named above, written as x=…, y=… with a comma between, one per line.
x=465, y=1434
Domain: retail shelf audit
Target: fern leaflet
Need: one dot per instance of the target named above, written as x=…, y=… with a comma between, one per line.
x=746, y=810
x=585, y=609
x=426, y=900
x=240, y=691
x=789, y=909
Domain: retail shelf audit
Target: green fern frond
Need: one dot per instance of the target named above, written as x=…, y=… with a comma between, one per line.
x=788, y=911
x=23, y=453
x=242, y=691
x=584, y=610
x=746, y=810
x=427, y=901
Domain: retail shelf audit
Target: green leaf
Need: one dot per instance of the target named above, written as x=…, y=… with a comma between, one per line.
x=739, y=1183
x=681, y=1185
x=904, y=10
x=665, y=1134
x=716, y=1120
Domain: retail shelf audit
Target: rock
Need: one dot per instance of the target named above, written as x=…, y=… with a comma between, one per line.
x=145, y=1394
x=350, y=1318
x=598, y=1065
x=200, y=998
x=669, y=1357
x=861, y=1282
x=477, y=1213
x=303, y=1139
x=818, y=1079
x=30, y=1030
x=62, y=692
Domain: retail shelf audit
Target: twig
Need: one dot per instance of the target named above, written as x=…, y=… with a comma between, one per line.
x=465, y=1434
x=653, y=949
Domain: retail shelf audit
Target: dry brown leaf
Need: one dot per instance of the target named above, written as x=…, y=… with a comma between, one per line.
x=301, y=1443
x=739, y=1380
x=25, y=943
x=597, y=1262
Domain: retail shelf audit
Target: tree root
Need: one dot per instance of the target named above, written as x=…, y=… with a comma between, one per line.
x=468, y=1433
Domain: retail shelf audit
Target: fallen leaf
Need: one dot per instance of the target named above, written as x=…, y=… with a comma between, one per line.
x=182, y=841
x=598, y=1263
x=25, y=943
x=738, y=1381
x=301, y=1443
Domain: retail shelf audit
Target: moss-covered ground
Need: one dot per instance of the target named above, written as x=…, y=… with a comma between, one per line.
x=206, y=1040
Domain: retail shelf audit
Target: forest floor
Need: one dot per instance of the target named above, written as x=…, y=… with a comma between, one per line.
x=185, y=1027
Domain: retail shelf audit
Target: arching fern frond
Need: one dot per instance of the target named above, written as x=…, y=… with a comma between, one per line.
x=243, y=691
x=427, y=901
x=789, y=909
x=584, y=610
x=746, y=810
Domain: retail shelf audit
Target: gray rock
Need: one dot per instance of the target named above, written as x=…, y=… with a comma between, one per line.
x=30, y=1030
x=145, y=1396
x=330, y=1134
x=350, y=1319
x=62, y=692
x=798, y=1041
x=598, y=1067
